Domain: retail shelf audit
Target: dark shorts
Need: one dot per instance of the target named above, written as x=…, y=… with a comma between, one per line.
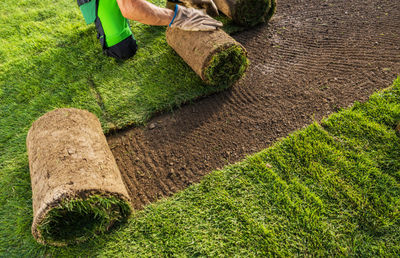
x=124, y=49
x=113, y=30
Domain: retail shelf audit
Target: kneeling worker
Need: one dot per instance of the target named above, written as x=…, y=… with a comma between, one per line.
x=113, y=30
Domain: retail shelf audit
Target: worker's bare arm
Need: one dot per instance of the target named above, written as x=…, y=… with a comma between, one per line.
x=145, y=12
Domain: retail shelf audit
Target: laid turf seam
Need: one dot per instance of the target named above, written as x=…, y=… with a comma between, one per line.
x=343, y=184
x=99, y=100
x=381, y=134
x=294, y=194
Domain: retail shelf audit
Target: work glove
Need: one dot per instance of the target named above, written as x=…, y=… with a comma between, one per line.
x=193, y=20
x=207, y=5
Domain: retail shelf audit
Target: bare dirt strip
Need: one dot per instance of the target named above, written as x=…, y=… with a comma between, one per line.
x=314, y=57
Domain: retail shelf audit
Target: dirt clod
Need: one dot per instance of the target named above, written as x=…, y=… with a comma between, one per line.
x=152, y=126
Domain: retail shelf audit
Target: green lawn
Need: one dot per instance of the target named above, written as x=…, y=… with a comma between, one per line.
x=332, y=188
x=50, y=58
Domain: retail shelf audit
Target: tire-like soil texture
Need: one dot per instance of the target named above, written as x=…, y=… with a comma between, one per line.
x=313, y=58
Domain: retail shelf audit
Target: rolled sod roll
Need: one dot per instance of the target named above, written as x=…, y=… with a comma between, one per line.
x=77, y=189
x=214, y=55
x=247, y=12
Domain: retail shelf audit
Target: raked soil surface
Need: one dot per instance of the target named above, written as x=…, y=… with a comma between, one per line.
x=314, y=57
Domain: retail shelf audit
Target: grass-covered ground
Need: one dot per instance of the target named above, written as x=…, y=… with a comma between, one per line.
x=328, y=189
x=49, y=58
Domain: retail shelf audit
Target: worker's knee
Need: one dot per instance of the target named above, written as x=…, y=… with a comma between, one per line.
x=122, y=50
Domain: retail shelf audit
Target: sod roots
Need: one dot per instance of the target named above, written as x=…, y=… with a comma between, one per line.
x=214, y=55
x=77, y=189
x=247, y=12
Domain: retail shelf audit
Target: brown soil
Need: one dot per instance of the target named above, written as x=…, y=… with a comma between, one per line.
x=313, y=58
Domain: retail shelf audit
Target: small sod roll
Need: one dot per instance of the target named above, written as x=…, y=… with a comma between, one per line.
x=247, y=12
x=214, y=55
x=77, y=189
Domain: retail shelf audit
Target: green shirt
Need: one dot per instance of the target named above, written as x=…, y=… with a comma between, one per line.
x=116, y=27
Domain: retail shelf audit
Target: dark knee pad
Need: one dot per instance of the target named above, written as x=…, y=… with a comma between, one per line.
x=122, y=50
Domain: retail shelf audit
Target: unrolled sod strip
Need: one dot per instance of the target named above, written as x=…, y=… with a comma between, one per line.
x=214, y=55
x=77, y=189
x=247, y=12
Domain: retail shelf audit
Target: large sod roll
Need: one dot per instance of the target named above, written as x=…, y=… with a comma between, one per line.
x=247, y=12
x=214, y=55
x=77, y=189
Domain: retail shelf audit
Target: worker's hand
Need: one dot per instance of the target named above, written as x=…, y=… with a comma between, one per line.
x=208, y=4
x=193, y=20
